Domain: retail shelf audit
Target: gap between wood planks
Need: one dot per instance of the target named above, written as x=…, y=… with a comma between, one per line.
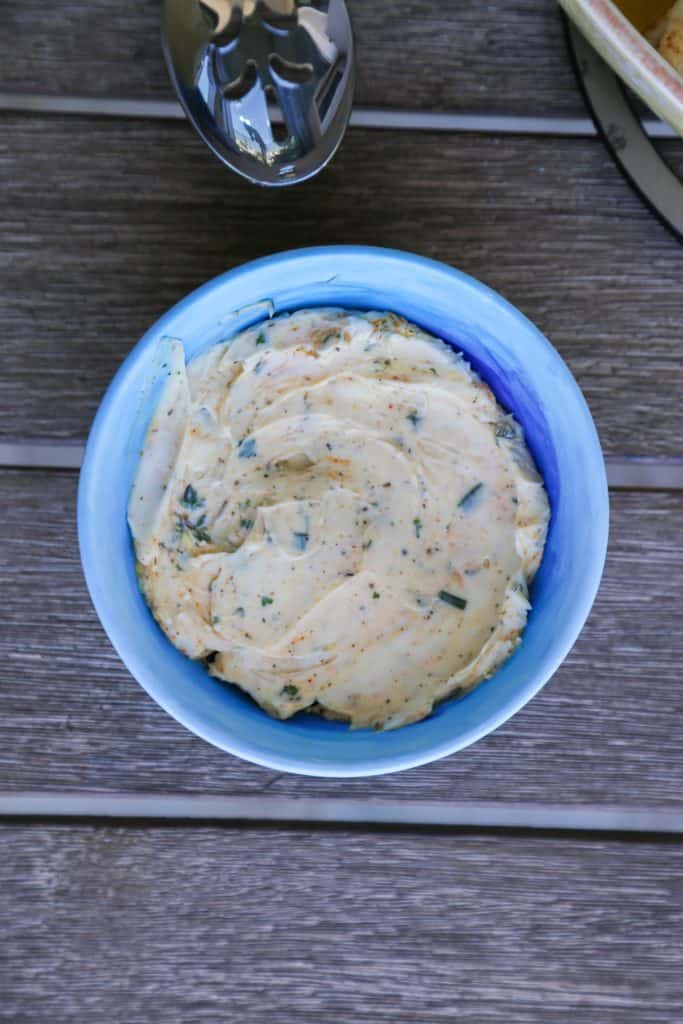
x=628, y=474
x=264, y=809
x=361, y=117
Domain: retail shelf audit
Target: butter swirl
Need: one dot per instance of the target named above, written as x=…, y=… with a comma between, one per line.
x=333, y=509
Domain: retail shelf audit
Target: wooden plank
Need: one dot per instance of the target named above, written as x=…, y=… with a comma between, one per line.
x=300, y=926
x=606, y=730
x=497, y=57
x=133, y=215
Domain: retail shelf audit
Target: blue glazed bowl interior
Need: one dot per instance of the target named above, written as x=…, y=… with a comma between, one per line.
x=529, y=379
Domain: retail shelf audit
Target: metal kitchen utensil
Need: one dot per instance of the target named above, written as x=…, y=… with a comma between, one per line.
x=268, y=84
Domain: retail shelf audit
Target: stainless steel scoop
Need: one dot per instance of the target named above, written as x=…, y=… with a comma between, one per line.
x=268, y=84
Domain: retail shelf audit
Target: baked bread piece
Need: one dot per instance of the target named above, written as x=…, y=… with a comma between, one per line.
x=667, y=36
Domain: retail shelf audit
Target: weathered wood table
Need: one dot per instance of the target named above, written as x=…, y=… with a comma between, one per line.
x=144, y=876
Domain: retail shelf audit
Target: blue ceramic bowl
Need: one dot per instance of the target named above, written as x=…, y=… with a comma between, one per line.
x=528, y=377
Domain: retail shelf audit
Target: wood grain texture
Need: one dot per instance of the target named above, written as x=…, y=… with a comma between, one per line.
x=608, y=729
x=499, y=57
x=106, y=224
x=121, y=926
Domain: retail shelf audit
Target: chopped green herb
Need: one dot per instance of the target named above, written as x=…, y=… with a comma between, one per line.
x=246, y=524
x=196, y=529
x=505, y=430
x=190, y=498
x=300, y=540
x=417, y=524
x=200, y=534
x=367, y=545
x=375, y=595
x=247, y=449
x=414, y=418
x=452, y=599
x=435, y=372
x=262, y=340
x=468, y=500
x=239, y=611
x=215, y=619
x=289, y=690
x=266, y=600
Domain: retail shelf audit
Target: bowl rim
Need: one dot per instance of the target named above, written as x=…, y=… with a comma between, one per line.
x=567, y=632
x=617, y=39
